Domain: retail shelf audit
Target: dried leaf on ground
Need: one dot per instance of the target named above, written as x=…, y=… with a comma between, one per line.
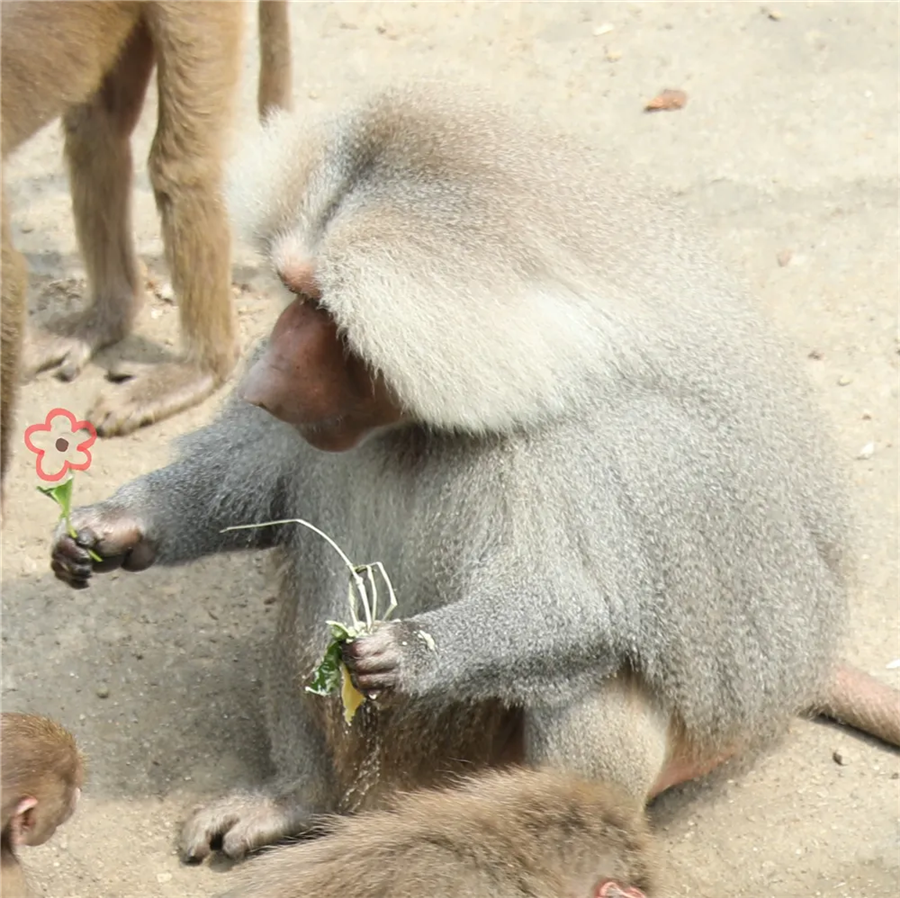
x=668, y=99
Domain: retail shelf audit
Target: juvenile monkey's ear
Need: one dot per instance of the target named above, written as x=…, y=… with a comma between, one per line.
x=23, y=820
x=611, y=889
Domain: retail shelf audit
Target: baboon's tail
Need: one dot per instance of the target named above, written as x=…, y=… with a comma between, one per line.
x=858, y=700
x=505, y=834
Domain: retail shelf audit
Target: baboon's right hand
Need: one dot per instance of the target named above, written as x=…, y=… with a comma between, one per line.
x=111, y=533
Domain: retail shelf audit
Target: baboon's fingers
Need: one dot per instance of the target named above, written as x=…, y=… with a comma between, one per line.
x=858, y=700
x=108, y=532
x=170, y=388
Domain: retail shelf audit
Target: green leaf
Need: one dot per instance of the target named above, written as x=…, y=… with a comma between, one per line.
x=327, y=677
x=341, y=632
x=61, y=493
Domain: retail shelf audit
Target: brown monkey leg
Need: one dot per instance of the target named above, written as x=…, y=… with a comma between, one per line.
x=197, y=46
x=274, y=57
x=98, y=155
x=12, y=322
x=858, y=700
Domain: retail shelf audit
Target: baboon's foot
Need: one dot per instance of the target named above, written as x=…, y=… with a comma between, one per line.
x=240, y=823
x=69, y=343
x=162, y=391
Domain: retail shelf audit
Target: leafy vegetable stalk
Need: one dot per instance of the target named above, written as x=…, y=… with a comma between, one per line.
x=62, y=494
x=332, y=675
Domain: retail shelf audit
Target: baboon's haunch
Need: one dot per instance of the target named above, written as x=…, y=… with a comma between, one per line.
x=91, y=62
x=589, y=468
x=41, y=774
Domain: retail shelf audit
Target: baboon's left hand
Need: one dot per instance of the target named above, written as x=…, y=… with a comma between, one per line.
x=388, y=659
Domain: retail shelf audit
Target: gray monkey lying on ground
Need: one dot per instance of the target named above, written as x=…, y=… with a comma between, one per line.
x=521, y=381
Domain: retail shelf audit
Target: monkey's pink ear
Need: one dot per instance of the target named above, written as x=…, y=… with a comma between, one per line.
x=22, y=820
x=609, y=888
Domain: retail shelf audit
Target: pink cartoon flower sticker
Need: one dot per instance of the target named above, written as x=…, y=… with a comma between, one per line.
x=61, y=444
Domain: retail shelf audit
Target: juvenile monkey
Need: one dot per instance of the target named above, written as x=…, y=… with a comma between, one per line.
x=41, y=775
x=564, y=839
x=91, y=62
x=522, y=381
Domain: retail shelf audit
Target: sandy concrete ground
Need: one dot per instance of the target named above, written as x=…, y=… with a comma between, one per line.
x=788, y=144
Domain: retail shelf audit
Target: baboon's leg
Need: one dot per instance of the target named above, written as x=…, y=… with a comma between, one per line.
x=274, y=57
x=12, y=323
x=617, y=735
x=198, y=53
x=98, y=155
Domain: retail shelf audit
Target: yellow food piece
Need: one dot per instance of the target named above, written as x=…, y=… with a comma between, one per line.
x=351, y=697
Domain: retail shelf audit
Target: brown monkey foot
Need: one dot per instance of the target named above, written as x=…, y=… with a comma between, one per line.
x=165, y=390
x=69, y=343
x=240, y=823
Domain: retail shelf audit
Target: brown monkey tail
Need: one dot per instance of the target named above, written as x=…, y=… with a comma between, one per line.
x=275, y=79
x=858, y=700
x=503, y=834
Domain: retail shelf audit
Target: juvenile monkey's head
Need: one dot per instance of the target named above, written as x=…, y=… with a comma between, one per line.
x=42, y=776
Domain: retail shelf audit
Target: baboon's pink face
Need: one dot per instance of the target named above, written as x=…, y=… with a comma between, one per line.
x=310, y=379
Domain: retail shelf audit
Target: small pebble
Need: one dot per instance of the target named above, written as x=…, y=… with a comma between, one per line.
x=103, y=692
x=867, y=451
x=843, y=380
x=838, y=758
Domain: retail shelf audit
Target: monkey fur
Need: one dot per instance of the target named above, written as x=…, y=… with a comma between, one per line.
x=588, y=837
x=41, y=775
x=523, y=382
x=91, y=62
